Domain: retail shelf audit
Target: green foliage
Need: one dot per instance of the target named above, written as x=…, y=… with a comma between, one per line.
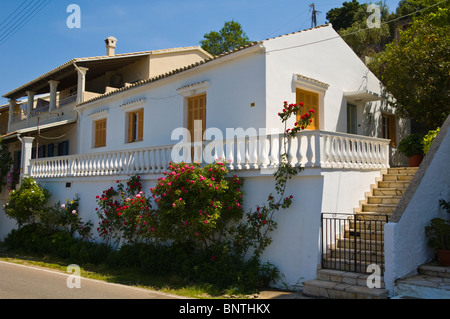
x=124, y=213
x=36, y=239
x=415, y=71
x=197, y=204
x=344, y=17
x=428, y=140
x=230, y=37
x=66, y=217
x=365, y=41
x=28, y=203
x=5, y=163
x=438, y=232
x=411, y=145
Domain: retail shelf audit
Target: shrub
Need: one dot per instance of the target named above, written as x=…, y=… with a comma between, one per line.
x=28, y=203
x=66, y=217
x=196, y=204
x=411, y=145
x=428, y=140
x=124, y=213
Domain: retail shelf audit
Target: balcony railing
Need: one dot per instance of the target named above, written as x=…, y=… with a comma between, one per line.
x=307, y=149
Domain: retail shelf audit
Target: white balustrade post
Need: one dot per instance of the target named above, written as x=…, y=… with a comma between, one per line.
x=264, y=156
x=318, y=149
x=239, y=150
x=309, y=152
x=299, y=153
x=253, y=151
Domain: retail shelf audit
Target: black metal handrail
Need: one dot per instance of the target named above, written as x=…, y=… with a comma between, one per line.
x=352, y=242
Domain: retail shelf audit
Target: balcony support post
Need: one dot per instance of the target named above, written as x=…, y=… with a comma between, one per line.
x=12, y=107
x=27, y=145
x=81, y=83
x=30, y=104
x=53, y=91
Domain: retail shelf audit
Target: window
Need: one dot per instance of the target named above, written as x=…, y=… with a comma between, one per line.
x=311, y=101
x=196, y=111
x=135, y=125
x=351, y=119
x=388, y=128
x=100, y=133
x=63, y=148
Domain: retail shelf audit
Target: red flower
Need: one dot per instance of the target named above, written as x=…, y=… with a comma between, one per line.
x=213, y=258
x=311, y=111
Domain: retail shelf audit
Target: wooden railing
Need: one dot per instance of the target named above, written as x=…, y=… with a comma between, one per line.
x=307, y=149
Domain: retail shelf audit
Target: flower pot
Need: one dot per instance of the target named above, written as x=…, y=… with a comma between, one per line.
x=415, y=160
x=443, y=257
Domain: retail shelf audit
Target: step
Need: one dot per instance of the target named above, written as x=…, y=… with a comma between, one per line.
x=364, y=234
x=435, y=270
x=335, y=284
x=402, y=170
x=379, y=208
x=393, y=184
x=368, y=223
x=431, y=282
x=344, y=277
x=424, y=287
x=398, y=177
x=346, y=264
x=388, y=191
x=375, y=256
x=383, y=199
x=376, y=245
x=382, y=216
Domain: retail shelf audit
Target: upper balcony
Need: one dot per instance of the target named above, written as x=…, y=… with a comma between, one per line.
x=43, y=112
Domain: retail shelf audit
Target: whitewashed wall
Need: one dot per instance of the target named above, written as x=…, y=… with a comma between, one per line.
x=295, y=249
x=406, y=246
x=232, y=88
x=322, y=55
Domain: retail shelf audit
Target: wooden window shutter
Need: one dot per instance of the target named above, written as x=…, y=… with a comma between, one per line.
x=130, y=126
x=392, y=130
x=100, y=133
x=311, y=101
x=140, y=123
x=196, y=111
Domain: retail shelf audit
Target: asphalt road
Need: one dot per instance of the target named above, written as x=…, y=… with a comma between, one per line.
x=27, y=282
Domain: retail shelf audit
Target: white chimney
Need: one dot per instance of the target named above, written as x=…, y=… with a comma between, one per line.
x=110, y=46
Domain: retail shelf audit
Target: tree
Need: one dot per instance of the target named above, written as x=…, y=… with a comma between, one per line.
x=415, y=69
x=362, y=39
x=344, y=17
x=231, y=36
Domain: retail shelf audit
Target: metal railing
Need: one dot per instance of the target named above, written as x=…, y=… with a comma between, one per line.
x=352, y=242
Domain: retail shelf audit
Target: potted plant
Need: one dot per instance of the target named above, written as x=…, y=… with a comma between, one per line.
x=411, y=147
x=438, y=233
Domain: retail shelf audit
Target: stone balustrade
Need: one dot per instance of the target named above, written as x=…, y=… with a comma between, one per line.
x=316, y=149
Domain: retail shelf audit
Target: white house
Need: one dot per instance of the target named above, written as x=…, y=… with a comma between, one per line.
x=138, y=125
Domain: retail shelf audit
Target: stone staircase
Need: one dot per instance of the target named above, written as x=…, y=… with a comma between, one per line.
x=431, y=282
x=361, y=243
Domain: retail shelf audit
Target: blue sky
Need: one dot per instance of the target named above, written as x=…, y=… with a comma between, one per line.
x=41, y=40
